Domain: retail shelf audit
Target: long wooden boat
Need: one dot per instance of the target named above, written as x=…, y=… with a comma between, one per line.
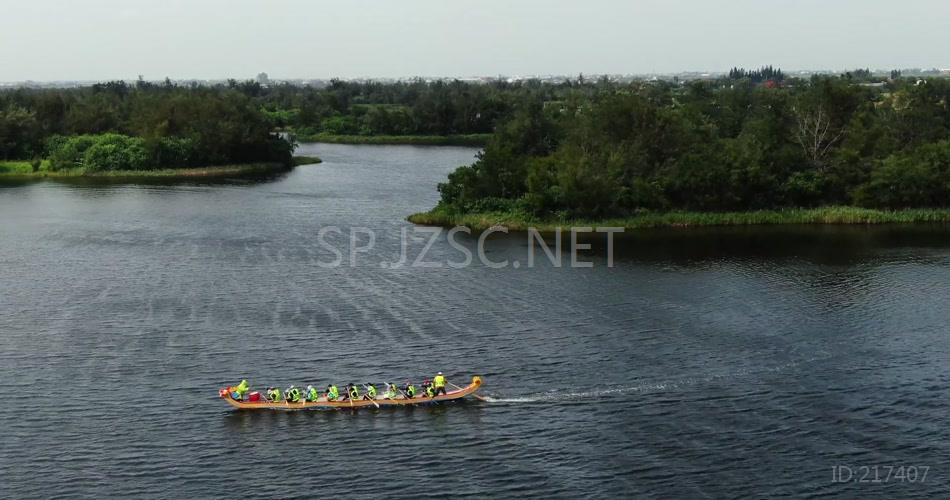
x=323, y=404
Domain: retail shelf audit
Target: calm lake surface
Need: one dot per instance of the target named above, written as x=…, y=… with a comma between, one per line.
x=707, y=363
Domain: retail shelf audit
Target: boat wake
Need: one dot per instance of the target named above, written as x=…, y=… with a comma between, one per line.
x=567, y=396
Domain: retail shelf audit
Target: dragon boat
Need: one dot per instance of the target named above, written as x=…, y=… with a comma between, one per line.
x=323, y=404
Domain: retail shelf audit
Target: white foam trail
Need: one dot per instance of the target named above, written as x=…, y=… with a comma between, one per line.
x=489, y=399
x=567, y=396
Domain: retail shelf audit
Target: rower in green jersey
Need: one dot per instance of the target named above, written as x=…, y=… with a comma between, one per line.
x=370, y=391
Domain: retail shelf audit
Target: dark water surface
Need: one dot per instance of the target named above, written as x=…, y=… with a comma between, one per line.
x=707, y=363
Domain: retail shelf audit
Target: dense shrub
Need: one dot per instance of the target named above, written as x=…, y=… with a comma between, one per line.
x=107, y=152
x=69, y=152
x=175, y=126
x=117, y=152
x=918, y=178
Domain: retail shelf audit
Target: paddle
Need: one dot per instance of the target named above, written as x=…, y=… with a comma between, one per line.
x=476, y=396
x=403, y=393
x=372, y=401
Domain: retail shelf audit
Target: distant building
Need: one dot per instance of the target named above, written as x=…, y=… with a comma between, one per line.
x=262, y=78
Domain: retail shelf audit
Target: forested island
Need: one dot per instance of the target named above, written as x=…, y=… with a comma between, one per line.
x=752, y=147
x=117, y=129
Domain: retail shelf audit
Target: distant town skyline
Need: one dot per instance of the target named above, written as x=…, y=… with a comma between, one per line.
x=682, y=76
x=50, y=40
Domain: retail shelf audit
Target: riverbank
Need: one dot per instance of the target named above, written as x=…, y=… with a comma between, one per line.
x=417, y=140
x=824, y=215
x=24, y=169
x=305, y=160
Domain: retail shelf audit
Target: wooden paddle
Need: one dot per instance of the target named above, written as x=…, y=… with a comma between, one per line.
x=372, y=401
x=476, y=396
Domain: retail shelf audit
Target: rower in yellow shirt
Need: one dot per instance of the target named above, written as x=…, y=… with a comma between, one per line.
x=439, y=383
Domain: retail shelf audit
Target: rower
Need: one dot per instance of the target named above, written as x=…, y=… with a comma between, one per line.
x=346, y=392
x=273, y=394
x=439, y=382
x=332, y=393
x=391, y=391
x=312, y=394
x=410, y=390
x=354, y=392
x=428, y=389
x=239, y=391
x=292, y=394
x=370, y=391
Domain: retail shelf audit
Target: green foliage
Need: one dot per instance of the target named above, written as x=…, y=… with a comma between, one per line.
x=281, y=118
x=917, y=178
x=116, y=152
x=502, y=168
x=180, y=126
x=66, y=153
x=578, y=148
x=760, y=75
x=111, y=152
x=174, y=152
x=21, y=167
x=718, y=146
x=19, y=131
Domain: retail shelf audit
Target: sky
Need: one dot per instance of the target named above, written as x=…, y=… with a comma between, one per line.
x=46, y=40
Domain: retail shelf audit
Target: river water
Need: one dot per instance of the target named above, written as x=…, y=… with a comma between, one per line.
x=705, y=363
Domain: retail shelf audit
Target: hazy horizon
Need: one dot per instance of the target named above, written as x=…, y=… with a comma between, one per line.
x=47, y=40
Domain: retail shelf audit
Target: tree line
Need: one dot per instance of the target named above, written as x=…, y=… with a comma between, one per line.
x=415, y=107
x=749, y=140
x=118, y=126
x=166, y=124
x=723, y=145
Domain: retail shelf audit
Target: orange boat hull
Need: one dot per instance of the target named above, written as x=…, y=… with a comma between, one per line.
x=323, y=404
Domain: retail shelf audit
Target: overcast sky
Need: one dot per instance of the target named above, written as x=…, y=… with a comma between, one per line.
x=112, y=39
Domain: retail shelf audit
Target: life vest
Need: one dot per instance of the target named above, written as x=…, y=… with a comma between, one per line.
x=371, y=391
x=293, y=394
x=274, y=394
x=333, y=393
x=241, y=388
x=312, y=394
x=430, y=391
x=391, y=392
x=410, y=390
x=354, y=392
x=439, y=381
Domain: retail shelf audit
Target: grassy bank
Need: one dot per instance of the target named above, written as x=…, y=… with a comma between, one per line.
x=13, y=169
x=24, y=169
x=306, y=160
x=418, y=140
x=17, y=167
x=824, y=215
